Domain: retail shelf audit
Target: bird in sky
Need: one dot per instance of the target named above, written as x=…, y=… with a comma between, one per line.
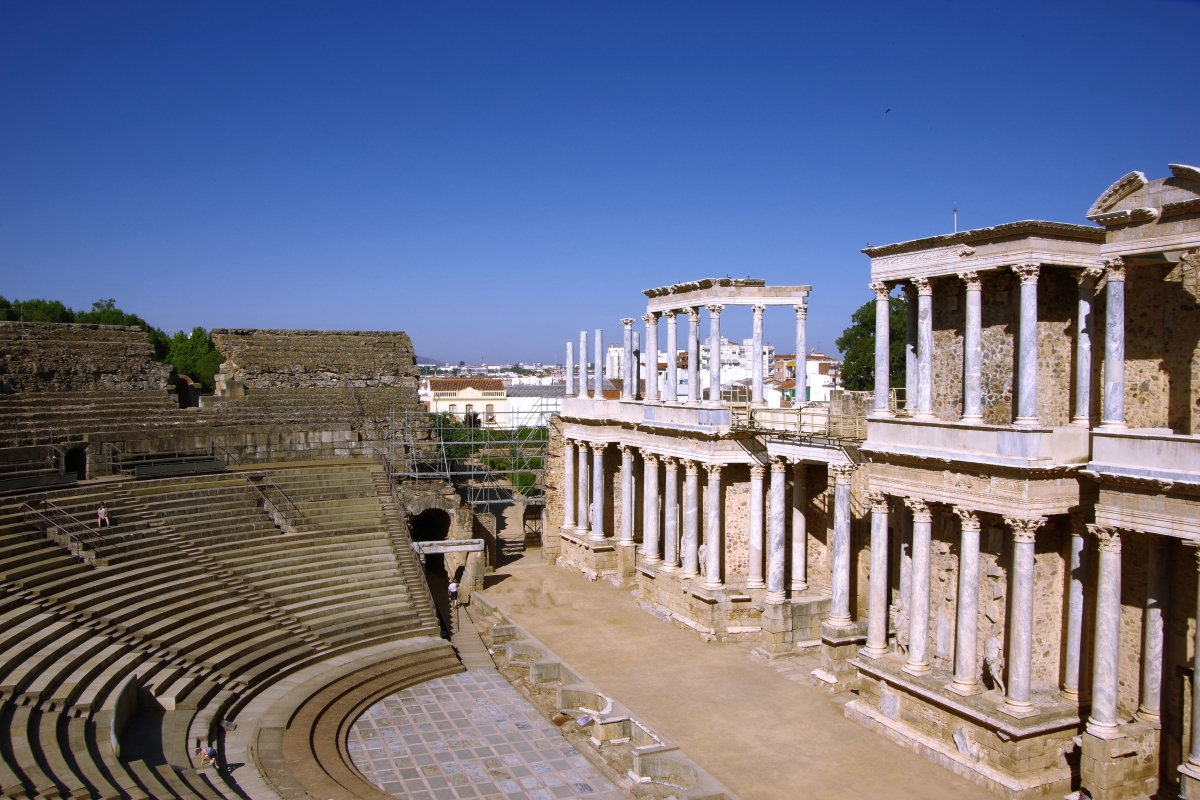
x=887, y=111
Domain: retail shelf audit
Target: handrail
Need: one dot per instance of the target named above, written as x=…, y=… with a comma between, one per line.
x=228, y=455
x=64, y=529
x=261, y=483
x=354, y=398
x=805, y=421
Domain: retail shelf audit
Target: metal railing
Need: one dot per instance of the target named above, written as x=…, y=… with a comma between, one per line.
x=65, y=529
x=273, y=498
x=225, y=454
x=806, y=421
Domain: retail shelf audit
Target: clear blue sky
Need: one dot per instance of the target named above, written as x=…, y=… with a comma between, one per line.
x=493, y=177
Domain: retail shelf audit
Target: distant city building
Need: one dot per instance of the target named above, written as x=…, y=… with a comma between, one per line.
x=464, y=399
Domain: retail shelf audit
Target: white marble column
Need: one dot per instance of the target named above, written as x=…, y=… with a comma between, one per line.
x=670, y=514
x=693, y=380
x=799, y=528
x=1114, y=345
x=904, y=529
x=583, y=509
x=691, y=519
x=1027, y=393
x=1019, y=701
x=918, y=590
x=877, y=592
x=776, y=531
x=627, y=494
x=883, y=348
x=598, y=374
x=755, y=567
x=671, y=390
x=924, y=348
x=966, y=667
x=569, y=390
x=839, y=611
x=910, y=349
x=650, y=508
x=1073, y=645
x=973, y=349
x=801, y=310
x=627, y=370
x=651, y=321
x=583, y=364
x=1150, y=703
x=714, y=353
x=1106, y=647
x=636, y=366
x=569, y=488
x=598, y=505
x=1192, y=767
x=713, y=540
x=1084, y=327
x=756, y=367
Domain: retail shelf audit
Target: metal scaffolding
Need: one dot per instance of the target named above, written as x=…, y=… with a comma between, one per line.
x=495, y=458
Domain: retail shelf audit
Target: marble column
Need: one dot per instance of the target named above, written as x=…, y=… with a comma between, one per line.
x=714, y=543
x=627, y=494
x=691, y=519
x=598, y=374
x=904, y=527
x=1150, y=705
x=1073, y=646
x=714, y=353
x=839, y=612
x=569, y=488
x=636, y=366
x=1027, y=394
x=693, y=380
x=877, y=592
x=598, y=505
x=1084, y=327
x=924, y=348
x=801, y=310
x=1114, y=345
x=966, y=667
x=755, y=567
x=583, y=364
x=671, y=390
x=670, y=514
x=569, y=391
x=651, y=321
x=1106, y=647
x=650, y=508
x=883, y=348
x=910, y=349
x=776, y=531
x=799, y=528
x=973, y=349
x=627, y=359
x=1020, y=627
x=918, y=589
x=756, y=366
x=583, y=509
x=1192, y=767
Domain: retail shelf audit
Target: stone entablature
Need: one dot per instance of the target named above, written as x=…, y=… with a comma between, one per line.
x=71, y=357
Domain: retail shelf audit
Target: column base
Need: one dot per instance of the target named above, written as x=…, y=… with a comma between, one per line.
x=713, y=585
x=756, y=583
x=1069, y=696
x=689, y=575
x=1148, y=718
x=1101, y=730
x=964, y=689
x=1022, y=711
x=974, y=419
x=874, y=652
x=1189, y=775
x=597, y=538
x=669, y=568
x=651, y=561
x=1026, y=422
x=799, y=586
x=877, y=413
x=918, y=668
x=1083, y=422
x=775, y=598
x=1108, y=425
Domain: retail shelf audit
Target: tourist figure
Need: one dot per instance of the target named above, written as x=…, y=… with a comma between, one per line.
x=208, y=755
x=102, y=517
x=453, y=593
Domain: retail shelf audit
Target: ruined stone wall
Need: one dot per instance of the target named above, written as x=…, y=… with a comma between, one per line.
x=949, y=325
x=1178, y=658
x=278, y=359
x=819, y=515
x=1058, y=300
x=1181, y=329
x=59, y=357
x=735, y=481
x=1001, y=312
x=553, y=478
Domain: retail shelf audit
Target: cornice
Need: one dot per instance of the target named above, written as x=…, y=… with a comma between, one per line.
x=1057, y=229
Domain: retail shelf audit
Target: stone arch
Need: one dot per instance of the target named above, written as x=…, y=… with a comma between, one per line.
x=431, y=525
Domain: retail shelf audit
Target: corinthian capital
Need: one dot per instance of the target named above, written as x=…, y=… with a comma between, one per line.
x=842, y=472
x=972, y=280
x=650, y=318
x=968, y=517
x=881, y=290
x=1115, y=268
x=1089, y=275
x=1028, y=273
x=877, y=501
x=924, y=287
x=1024, y=529
x=1108, y=538
x=920, y=510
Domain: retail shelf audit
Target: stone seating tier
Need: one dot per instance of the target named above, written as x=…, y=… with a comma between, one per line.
x=204, y=603
x=56, y=357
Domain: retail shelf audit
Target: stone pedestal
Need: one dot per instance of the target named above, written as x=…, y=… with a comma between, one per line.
x=777, y=636
x=594, y=559
x=1124, y=767
x=728, y=613
x=839, y=646
x=626, y=562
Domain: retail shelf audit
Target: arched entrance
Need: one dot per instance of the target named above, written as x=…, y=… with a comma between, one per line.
x=76, y=461
x=433, y=525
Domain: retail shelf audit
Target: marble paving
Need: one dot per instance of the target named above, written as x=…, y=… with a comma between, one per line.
x=470, y=735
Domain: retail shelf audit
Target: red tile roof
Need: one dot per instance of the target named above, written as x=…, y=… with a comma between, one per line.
x=458, y=384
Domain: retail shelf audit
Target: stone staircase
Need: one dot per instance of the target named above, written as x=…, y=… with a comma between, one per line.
x=202, y=602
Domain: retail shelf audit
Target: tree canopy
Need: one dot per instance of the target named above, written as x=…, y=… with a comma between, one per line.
x=193, y=355
x=857, y=344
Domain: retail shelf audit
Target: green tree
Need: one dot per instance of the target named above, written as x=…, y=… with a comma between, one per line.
x=105, y=312
x=195, y=356
x=35, y=311
x=857, y=345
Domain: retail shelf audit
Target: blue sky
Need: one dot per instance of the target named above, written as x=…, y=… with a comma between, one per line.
x=494, y=177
